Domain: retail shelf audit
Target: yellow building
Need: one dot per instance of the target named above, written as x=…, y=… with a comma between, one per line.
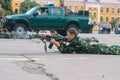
x=100, y=10
x=16, y=5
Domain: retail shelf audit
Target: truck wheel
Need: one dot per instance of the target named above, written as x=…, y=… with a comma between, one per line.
x=73, y=26
x=20, y=31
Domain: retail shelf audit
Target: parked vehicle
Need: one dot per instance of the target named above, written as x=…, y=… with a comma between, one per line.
x=46, y=18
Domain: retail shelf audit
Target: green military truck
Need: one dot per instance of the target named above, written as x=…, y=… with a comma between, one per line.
x=46, y=18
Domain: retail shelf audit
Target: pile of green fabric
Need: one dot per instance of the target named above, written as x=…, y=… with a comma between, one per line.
x=98, y=48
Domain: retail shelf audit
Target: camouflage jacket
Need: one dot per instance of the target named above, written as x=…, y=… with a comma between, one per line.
x=79, y=45
x=69, y=47
x=76, y=45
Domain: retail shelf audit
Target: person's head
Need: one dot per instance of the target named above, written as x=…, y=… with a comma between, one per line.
x=52, y=32
x=71, y=34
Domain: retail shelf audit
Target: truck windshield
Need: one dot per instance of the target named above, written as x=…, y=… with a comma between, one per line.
x=31, y=10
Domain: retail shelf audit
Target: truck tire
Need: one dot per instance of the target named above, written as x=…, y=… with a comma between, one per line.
x=73, y=26
x=20, y=31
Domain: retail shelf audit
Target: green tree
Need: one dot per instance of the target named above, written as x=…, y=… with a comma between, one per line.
x=114, y=22
x=27, y=4
x=6, y=4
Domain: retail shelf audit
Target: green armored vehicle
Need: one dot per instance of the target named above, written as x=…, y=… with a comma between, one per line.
x=48, y=17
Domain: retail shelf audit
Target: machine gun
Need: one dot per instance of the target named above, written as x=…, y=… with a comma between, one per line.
x=47, y=38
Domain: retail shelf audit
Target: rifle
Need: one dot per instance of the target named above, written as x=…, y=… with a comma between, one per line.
x=47, y=38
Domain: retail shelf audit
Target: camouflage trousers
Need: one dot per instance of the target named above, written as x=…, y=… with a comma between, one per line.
x=97, y=48
x=104, y=49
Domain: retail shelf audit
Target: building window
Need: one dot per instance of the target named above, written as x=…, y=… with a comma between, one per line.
x=70, y=7
x=16, y=10
x=76, y=8
x=94, y=15
x=101, y=18
x=94, y=8
x=107, y=19
x=118, y=10
x=81, y=7
x=16, y=4
x=90, y=8
x=118, y=18
x=107, y=10
x=112, y=10
x=101, y=9
x=112, y=18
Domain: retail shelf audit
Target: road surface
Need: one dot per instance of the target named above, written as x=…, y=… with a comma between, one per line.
x=24, y=59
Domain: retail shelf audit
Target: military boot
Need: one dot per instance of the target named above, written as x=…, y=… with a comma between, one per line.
x=93, y=39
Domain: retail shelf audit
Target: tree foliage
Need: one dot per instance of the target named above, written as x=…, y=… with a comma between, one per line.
x=6, y=5
x=114, y=22
x=27, y=4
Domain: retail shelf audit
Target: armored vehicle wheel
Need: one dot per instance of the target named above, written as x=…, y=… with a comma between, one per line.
x=20, y=31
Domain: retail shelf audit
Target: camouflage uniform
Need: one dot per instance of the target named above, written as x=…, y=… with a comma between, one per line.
x=71, y=47
x=79, y=45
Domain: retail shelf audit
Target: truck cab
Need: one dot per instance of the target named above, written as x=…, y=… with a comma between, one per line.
x=48, y=18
